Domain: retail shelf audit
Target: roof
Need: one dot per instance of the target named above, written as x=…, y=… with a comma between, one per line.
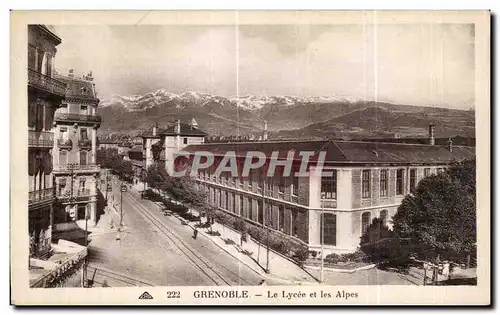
x=186, y=130
x=351, y=152
x=79, y=88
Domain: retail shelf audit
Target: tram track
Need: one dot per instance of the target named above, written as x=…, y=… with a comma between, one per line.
x=191, y=254
x=115, y=277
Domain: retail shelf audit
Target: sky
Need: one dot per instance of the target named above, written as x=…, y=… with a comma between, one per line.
x=414, y=64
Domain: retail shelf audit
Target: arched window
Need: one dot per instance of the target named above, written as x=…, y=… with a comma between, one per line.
x=383, y=217
x=365, y=221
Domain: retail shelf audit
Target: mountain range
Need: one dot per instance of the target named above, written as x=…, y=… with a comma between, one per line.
x=287, y=116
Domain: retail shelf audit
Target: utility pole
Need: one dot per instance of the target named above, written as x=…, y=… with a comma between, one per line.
x=267, y=260
x=322, y=242
x=121, y=203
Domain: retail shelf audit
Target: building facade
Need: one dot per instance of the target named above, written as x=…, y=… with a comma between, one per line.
x=159, y=145
x=45, y=94
x=368, y=180
x=76, y=172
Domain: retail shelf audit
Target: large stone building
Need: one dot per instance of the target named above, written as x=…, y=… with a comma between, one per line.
x=45, y=94
x=368, y=180
x=75, y=168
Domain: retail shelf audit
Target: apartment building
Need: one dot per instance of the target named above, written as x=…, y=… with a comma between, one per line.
x=368, y=180
x=45, y=94
x=75, y=168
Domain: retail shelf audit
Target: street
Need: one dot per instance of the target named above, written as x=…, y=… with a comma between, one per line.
x=159, y=250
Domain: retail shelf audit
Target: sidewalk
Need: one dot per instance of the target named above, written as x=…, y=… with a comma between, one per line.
x=280, y=268
x=254, y=255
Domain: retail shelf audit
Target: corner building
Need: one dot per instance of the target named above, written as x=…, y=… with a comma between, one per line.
x=76, y=172
x=45, y=94
x=368, y=180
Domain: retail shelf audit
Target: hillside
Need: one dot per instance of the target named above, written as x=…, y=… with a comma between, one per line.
x=287, y=116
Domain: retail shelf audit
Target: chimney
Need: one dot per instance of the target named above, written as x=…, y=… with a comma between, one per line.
x=89, y=77
x=71, y=73
x=450, y=145
x=264, y=135
x=194, y=124
x=154, y=130
x=431, y=134
x=177, y=128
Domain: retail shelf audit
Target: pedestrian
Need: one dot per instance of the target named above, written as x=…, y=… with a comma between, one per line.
x=195, y=233
x=262, y=282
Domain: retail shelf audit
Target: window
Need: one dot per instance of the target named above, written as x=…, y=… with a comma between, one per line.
x=185, y=141
x=329, y=186
x=383, y=217
x=241, y=205
x=281, y=218
x=328, y=234
x=32, y=57
x=413, y=179
x=220, y=198
x=427, y=171
x=62, y=186
x=295, y=185
x=400, y=182
x=227, y=200
x=365, y=184
x=383, y=183
x=83, y=108
x=294, y=223
x=63, y=158
x=281, y=184
x=83, y=157
x=81, y=185
x=365, y=221
x=269, y=185
x=260, y=212
x=440, y=170
x=63, y=133
x=83, y=134
x=250, y=208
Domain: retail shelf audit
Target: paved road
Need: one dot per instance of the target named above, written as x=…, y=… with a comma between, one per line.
x=161, y=251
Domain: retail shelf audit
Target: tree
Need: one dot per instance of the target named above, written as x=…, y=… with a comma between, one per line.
x=379, y=243
x=440, y=214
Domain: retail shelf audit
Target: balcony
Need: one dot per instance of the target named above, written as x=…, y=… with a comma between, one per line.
x=80, y=195
x=77, y=168
x=42, y=139
x=46, y=83
x=85, y=144
x=77, y=118
x=65, y=143
x=40, y=196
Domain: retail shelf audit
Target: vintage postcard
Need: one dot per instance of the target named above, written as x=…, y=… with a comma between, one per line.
x=250, y=157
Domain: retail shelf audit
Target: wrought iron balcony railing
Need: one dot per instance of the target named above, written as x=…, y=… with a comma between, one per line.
x=70, y=117
x=46, y=83
x=75, y=196
x=85, y=143
x=42, y=195
x=76, y=167
x=64, y=143
x=41, y=139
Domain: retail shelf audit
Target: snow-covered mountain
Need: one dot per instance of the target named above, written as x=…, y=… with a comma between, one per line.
x=197, y=99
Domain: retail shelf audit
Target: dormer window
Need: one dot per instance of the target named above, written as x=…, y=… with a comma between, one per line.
x=84, y=90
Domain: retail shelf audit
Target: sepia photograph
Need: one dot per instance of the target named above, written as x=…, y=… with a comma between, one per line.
x=248, y=151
